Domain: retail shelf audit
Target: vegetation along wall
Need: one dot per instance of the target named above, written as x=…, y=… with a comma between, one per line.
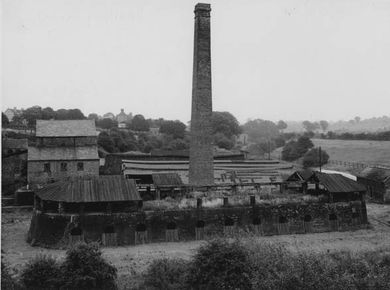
x=56, y=230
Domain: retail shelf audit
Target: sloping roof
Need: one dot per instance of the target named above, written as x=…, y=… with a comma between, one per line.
x=9, y=143
x=377, y=174
x=337, y=183
x=91, y=189
x=300, y=175
x=161, y=179
x=62, y=153
x=65, y=128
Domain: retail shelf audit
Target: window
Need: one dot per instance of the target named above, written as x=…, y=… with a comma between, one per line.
x=64, y=166
x=80, y=166
x=46, y=167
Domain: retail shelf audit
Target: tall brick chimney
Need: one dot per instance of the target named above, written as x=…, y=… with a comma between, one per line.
x=201, y=171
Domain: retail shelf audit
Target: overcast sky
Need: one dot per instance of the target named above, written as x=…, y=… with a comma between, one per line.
x=271, y=59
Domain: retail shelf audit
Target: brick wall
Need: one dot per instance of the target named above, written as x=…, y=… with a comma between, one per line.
x=37, y=175
x=268, y=218
x=201, y=150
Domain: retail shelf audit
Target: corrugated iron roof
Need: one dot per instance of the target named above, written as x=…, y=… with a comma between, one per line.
x=65, y=128
x=336, y=183
x=91, y=189
x=161, y=179
x=63, y=153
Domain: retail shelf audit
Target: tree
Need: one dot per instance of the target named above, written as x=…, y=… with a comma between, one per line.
x=309, y=126
x=4, y=119
x=139, y=124
x=223, y=142
x=324, y=125
x=106, y=123
x=290, y=152
x=48, y=113
x=85, y=268
x=303, y=145
x=32, y=114
x=174, y=128
x=225, y=123
x=259, y=129
x=281, y=125
x=312, y=158
x=357, y=119
x=105, y=141
x=93, y=116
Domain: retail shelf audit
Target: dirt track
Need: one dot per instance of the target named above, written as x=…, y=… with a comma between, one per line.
x=132, y=260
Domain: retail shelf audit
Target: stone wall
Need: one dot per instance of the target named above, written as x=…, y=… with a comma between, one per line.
x=66, y=141
x=155, y=226
x=37, y=175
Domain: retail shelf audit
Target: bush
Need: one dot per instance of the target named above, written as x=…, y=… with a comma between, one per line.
x=312, y=158
x=220, y=264
x=166, y=274
x=42, y=272
x=85, y=268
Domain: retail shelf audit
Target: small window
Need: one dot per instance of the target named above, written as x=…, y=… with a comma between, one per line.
x=307, y=218
x=46, y=167
x=283, y=220
x=333, y=217
x=200, y=224
x=64, y=166
x=171, y=226
x=80, y=166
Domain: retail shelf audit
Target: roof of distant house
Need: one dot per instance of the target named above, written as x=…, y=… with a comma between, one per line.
x=65, y=128
x=338, y=183
x=63, y=153
x=106, y=188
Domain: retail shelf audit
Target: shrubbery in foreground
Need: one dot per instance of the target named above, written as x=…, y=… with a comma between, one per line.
x=221, y=264
x=83, y=268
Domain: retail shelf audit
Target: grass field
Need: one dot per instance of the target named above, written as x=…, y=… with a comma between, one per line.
x=362, y=151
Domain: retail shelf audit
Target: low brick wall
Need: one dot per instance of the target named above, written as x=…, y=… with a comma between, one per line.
x=55, y=230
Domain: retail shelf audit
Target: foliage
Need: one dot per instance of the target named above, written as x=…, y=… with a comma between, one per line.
x=4, y=119
x=220, y=264
x=279, y=141
x=174, y=128
x=85, y=268
x=37, y=113
x=324, y=125
x=106, y=123
x=93, y=116
x=139, y=124
x=262, y=148
x=289, y=152
x=312, y=158
x=7, y=282
x=259, y=130
x=166, y=274
x=225, y=123
x=105, y=141
x=42, y=272
x=281, y=125
x=296, y=149
x=310, y=126
x=223, y=142
x=379, y=136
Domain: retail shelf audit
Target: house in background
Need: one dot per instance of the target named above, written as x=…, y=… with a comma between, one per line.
x=63, y=149
x=377, y=181
x=122, y=118
x=11, y=113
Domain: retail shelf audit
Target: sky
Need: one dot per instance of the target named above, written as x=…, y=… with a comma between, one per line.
x=271, y=59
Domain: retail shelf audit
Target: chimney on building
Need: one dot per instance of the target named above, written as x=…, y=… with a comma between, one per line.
x=201, y=169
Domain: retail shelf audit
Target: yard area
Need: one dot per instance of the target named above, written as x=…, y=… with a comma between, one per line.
x=132, y=260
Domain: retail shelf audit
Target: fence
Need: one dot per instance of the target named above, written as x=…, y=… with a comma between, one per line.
x=357, y=165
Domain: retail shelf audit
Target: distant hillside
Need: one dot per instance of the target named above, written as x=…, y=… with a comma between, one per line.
x=375, y=124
